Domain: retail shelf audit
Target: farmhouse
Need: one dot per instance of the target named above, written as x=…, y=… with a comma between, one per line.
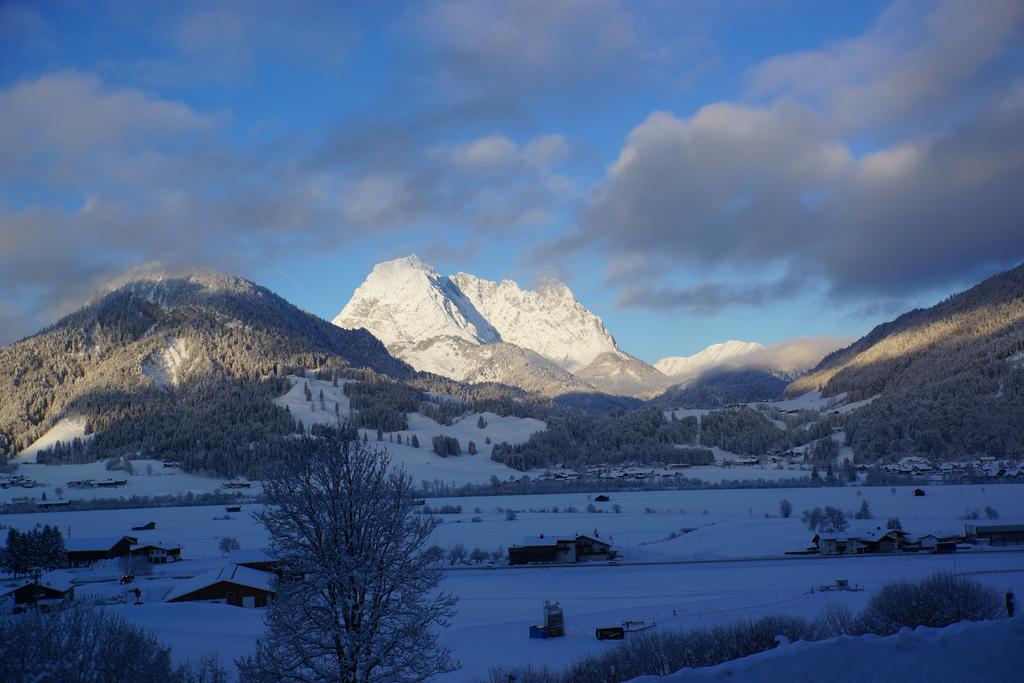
x=82, y=552
x=559, y=550
x=995, y=533
x=860, y=543
x=49, y=589
x=157, y=553
x=231, y=584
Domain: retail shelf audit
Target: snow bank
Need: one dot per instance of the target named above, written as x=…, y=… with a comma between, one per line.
x=967, y=651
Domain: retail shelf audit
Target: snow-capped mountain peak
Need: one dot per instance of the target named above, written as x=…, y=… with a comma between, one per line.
x=714, y=355
x=405, y=301
x=432, y=320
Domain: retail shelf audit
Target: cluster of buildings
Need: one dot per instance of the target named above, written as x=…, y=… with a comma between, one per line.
x=245, y=580
x=985, y=466
x=871, y=540
x=17, y=481
x=84, y=552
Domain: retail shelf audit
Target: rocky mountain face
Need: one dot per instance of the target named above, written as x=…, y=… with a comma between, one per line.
x=183, y=364
x=471, y=329
x=946, y=381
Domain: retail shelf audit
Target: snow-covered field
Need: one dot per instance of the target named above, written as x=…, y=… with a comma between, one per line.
x=424, y=465
x=148, y=478
x=739, y=570
x=421, y=463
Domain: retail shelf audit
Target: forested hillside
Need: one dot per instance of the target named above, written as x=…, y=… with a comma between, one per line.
x=724, y=387
x=949, y=379
x=176, y=366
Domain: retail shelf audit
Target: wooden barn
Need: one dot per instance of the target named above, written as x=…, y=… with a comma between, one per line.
x=49, y=589
x=231, y=584
x=84, y=551
x=157, y=553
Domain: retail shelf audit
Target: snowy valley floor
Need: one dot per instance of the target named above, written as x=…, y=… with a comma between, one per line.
x=686, y=560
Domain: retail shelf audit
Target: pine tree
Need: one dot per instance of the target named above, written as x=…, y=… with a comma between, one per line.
x=415, y=441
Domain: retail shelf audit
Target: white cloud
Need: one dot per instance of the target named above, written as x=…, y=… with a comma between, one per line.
x=919, y=54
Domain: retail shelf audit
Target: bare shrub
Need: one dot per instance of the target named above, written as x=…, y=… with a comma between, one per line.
x=939, y=600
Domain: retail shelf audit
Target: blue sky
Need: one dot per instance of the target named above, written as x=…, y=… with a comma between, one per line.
x=695, y=171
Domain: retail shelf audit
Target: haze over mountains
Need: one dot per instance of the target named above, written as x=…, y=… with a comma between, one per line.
x=470, y=329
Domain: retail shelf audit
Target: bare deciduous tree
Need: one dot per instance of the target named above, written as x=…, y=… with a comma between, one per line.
x=367, y=605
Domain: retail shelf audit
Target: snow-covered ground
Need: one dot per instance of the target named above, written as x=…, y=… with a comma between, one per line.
x=148, y=478
x=311, y=412
x=813, y=400
x=981, y=652
x=656, y=580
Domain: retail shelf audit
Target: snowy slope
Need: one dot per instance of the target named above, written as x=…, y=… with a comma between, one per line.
x=65, y=431
x=966, y=651
x=476, y=330
x=714, y=355
x=620, y=373
x=165, y=366
x=405, y=301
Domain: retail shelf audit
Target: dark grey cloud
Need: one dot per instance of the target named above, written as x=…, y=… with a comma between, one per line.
x=759, y=187
x=706, y=298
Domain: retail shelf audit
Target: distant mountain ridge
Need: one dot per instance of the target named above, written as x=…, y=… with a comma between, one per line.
x=544, y=340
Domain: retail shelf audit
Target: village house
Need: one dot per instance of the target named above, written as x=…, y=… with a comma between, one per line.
x=157, y=553
x=231, y=584
x=877, y=540
x=44, y=592
x=85, y=551
x=555, y=550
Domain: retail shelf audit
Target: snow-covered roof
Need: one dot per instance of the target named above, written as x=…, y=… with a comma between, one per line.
x=58, y=580
x=90, y=543
x=547, y=540
x=247, y=555
x=862, y=534
x=232, y=573
x=159, y=544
